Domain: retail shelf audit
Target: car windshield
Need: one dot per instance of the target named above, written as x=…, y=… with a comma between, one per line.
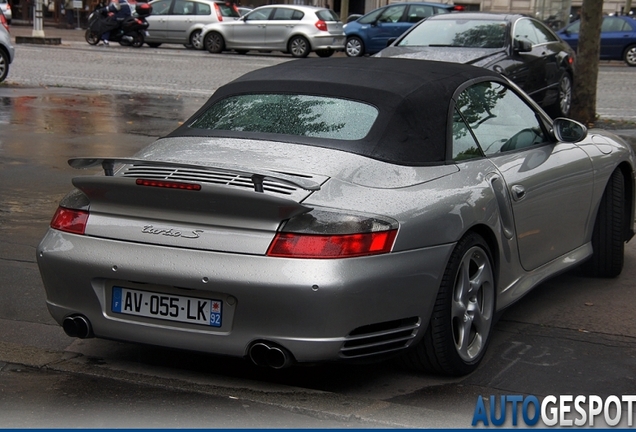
x=300, y=115
x=457, y=33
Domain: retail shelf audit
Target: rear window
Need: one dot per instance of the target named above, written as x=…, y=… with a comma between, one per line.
x=327, y=15
x=458, y=33
x=300, y=115
x=228, y=10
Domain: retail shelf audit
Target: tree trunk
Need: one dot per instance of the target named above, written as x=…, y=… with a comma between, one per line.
x=586, y=72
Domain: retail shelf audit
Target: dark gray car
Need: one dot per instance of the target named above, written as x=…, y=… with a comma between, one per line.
x=312, y=212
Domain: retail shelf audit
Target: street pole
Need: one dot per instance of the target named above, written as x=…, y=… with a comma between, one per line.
x=628, y=6
x=38, y=27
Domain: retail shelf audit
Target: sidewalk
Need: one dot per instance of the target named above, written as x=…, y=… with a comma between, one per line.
x=67, y=35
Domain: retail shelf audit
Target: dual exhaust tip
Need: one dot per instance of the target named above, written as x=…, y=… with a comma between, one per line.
x=77, y=326
x=270, y=355
x=261, y=353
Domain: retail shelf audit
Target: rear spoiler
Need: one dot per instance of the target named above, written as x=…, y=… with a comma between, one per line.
x=257, y=176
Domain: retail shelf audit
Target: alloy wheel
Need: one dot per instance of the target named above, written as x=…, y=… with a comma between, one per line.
x=472, y=304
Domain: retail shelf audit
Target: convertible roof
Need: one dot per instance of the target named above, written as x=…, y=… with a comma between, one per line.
x=413, y=98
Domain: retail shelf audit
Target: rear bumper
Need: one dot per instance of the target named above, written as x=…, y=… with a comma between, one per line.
x=309, y=307
x=336, y=43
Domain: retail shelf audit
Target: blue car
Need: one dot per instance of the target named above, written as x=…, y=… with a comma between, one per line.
x=371, y=32
x=618, y=38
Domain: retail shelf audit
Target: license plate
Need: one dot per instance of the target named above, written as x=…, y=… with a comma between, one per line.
x=184, y=309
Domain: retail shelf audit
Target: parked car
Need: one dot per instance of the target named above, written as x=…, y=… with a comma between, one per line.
x=523, y=49
x=293, y=29
x=307, y=213
x=181, y=21
x=618, y=38
x=7, y=52
x=5, y=9
x=371, y=32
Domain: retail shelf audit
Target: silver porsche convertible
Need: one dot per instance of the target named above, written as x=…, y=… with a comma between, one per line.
x=338, y=209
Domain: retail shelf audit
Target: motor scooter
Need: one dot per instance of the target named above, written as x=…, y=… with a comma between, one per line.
x=130, y=31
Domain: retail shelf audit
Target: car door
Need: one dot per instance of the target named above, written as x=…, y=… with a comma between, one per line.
x=158, y=21
x=527, y=68
x=416, y=13
x=179, y=22
x=389, y=24
x=249, y=31
x=548, y=185
x=614, y=34
x=281, y=26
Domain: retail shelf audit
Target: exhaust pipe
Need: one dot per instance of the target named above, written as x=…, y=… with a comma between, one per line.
x=77, y=326
x=264, y=354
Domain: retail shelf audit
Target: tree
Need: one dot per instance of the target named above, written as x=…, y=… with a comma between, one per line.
x=586, y=73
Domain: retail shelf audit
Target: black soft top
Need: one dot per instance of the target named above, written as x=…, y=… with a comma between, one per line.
x=413, y=98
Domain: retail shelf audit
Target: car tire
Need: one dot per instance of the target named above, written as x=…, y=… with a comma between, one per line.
x=561, y=107
x=324, y=53
x=153, y=44
x=214, y=42
x=354, y=47
x=91, y=37
x=196, y=40
x=459, y=330
x=630, y=55
x=299, y=47
x=608, y=237
x=4, y=65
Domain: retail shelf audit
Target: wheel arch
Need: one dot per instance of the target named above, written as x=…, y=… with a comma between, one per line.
x=627, y=48
x=490, y=238
x=6, y=53
x=630, y=210
x=302, y=35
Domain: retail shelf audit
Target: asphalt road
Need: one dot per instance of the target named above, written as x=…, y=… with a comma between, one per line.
x=572, y=335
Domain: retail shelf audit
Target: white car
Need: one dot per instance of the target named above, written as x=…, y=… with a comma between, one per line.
x=181, y=21
x=293, y=29
x=6, y=49
x=5, y=8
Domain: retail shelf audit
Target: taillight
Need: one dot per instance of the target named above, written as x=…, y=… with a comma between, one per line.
x=458, y=8
x=219, y=15
x=290, y=245
x=331, y=234
x=321, y=25
x=70, y=220
x=3, y=21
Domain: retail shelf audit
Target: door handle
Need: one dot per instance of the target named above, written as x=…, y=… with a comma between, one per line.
x=518, y=192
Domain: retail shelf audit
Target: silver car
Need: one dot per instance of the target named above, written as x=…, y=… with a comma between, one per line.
x=181, y=21
x=297, y=30
x=5, y=9
x=312, y=212
x=7, y=52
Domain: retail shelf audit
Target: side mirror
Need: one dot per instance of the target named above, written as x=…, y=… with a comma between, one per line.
x=522, y=45
x=390, y=41
x=566, y=130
